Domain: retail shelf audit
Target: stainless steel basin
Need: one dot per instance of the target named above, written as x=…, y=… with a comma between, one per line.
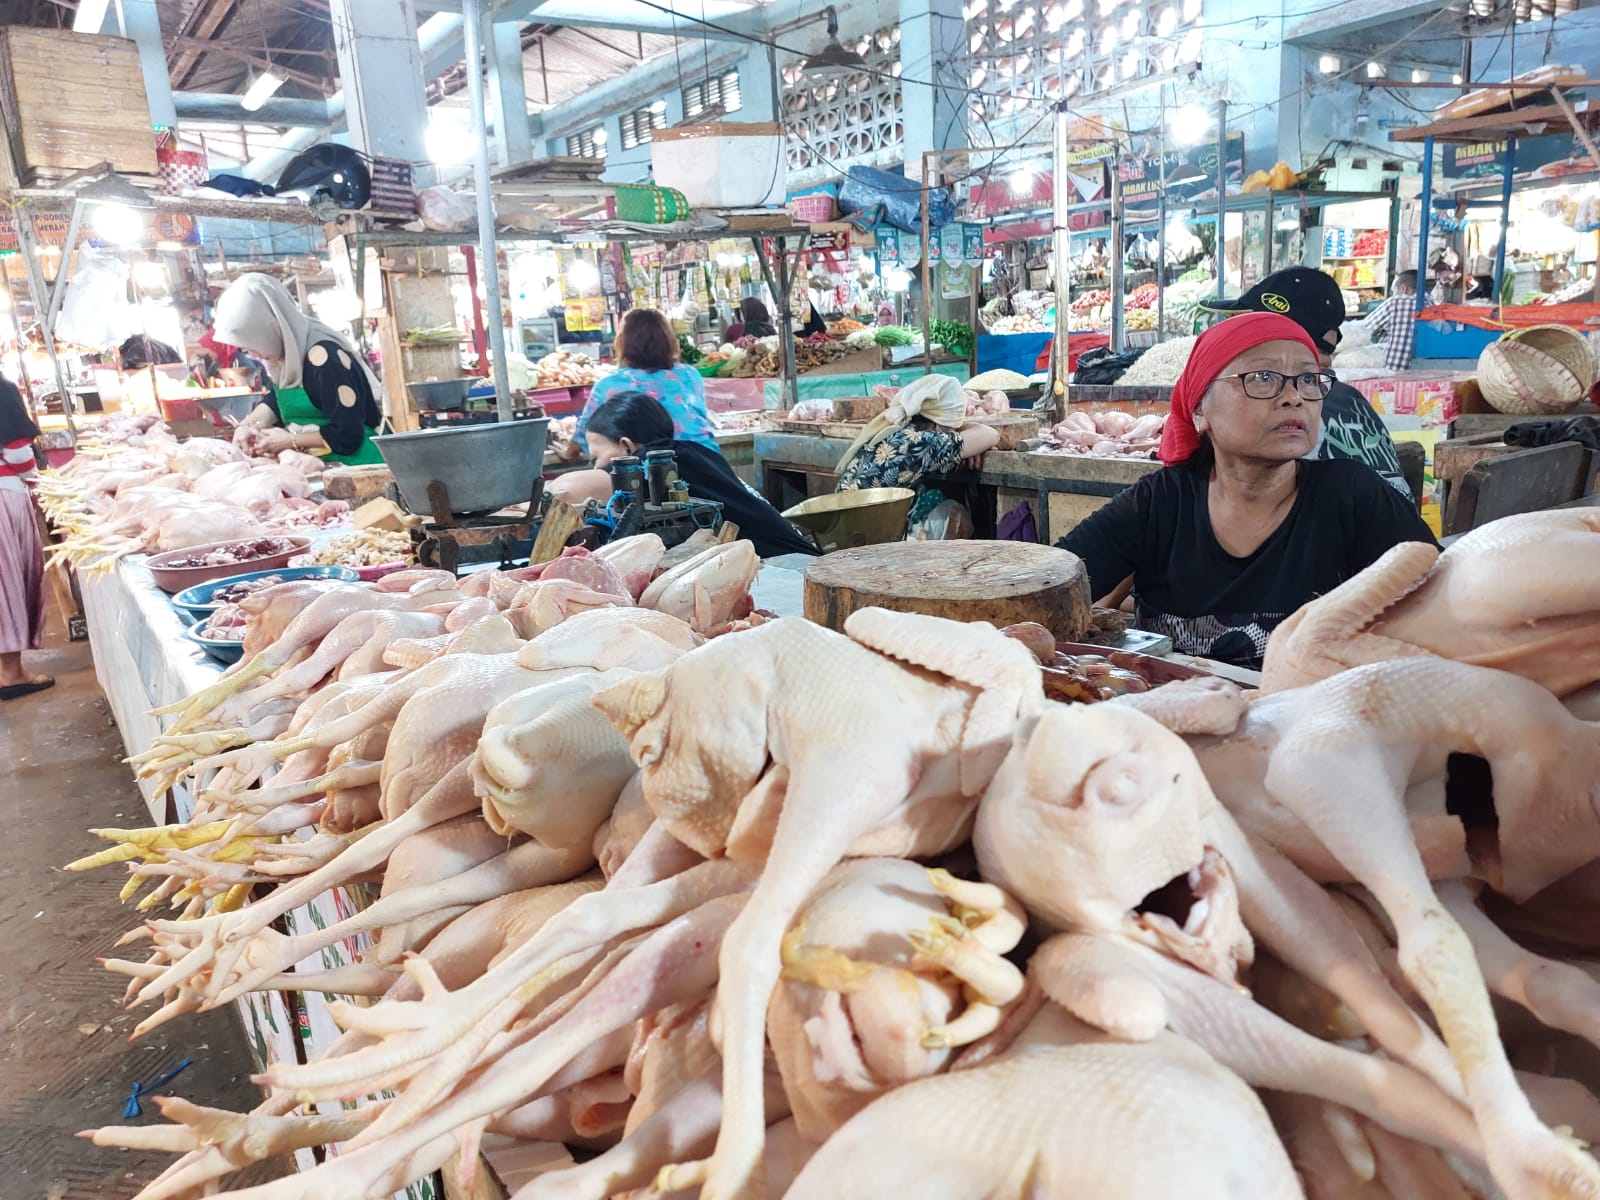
x=483, y=467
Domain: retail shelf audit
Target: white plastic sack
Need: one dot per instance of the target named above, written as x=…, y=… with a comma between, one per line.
x=441, y=209
x=96, y=312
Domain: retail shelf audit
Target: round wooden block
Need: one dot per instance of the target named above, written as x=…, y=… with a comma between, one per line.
x=1000, y=582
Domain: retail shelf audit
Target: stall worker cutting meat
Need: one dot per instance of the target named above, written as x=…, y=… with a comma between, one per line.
x=326, y=402
x=1236, y=532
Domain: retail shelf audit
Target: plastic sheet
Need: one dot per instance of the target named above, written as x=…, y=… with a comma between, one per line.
x=897, y=199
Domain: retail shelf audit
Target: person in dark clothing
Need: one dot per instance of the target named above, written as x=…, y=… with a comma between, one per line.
x=634, y=423
x=325, y=402
x=1351, y=427
x=139, y=352
x=754, y=321
x=1237, y=532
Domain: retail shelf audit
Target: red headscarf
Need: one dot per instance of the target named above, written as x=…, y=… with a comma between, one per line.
x=221, y=351
x=1217, y=347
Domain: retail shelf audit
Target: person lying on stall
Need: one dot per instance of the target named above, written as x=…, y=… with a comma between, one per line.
x=634, y=423
x=1237, y=531
x=753, y=320
x=924, y=433
x=1351, y=427
x=326, y=399
x=648, y=351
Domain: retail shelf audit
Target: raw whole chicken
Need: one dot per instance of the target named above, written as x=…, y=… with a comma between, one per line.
x=1103, y=434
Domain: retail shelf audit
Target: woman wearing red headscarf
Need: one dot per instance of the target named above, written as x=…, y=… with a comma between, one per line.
x=1237, y=532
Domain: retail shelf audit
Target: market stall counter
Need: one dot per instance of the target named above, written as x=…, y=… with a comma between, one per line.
x=143, y=661
x=1061, y=489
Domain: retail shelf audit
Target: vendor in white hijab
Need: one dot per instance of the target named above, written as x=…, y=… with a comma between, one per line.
x=326, y=402
x=925, y=432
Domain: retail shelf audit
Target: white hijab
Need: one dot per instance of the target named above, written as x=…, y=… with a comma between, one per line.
x=938, y=398
x=257, y=314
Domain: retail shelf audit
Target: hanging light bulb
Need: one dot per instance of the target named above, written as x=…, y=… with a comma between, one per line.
x=1189, y=124
x=1328, y=64
x=1375, y=70
x=1419, y=76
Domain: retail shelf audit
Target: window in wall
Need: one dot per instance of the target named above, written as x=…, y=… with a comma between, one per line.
x=842, y=121
x=720, y=91
x=640, y=124
x=1021, y=58
x=591, y=143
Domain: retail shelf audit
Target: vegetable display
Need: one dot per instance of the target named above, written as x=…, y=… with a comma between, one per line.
x=955, y=336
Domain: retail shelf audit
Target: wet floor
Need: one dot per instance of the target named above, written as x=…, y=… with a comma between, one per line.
x=65, y=1060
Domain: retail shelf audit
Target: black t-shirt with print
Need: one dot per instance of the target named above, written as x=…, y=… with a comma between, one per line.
x=1185, y=585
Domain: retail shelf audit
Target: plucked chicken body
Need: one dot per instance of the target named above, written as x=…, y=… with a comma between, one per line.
x=1065, y=1113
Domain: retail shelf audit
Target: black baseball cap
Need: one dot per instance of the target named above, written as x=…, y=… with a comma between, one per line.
x=1308, y=297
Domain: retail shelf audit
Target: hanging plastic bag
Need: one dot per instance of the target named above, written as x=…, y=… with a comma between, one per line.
x=96, y=313
x=946, y=521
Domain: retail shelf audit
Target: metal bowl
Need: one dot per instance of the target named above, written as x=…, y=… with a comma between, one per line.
x=861, y=518
x=483, y=467
x=441, y=393
x=231, y=409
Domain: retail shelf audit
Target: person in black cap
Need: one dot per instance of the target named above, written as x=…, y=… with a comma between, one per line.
x=1351, y=428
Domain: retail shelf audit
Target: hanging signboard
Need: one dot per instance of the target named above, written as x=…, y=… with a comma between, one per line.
x=889, y=245
x=1544, y=158
x=50, y=229
x=829, y=241
x=1141, y=177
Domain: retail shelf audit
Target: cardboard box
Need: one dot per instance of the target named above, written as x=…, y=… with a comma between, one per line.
x=71, y=101
x=1435, y=399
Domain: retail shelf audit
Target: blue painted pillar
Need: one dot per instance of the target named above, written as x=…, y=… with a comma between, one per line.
x=381, y=68
x=508, y=97
x=1426, y=224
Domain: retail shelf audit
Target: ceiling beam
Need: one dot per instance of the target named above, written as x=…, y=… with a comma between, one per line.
x=203, y=24
x=1353, y=16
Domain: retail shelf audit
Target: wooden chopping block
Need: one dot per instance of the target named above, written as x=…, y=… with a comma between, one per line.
x=358, y=484
x=1003, y=583
x=859, y=408
x=1454, y=457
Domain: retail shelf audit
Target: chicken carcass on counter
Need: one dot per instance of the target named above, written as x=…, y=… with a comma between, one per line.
x=134, y=488
x=1110, y=434
x=753, y=908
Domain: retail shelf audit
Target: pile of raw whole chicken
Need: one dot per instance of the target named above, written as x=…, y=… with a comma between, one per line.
x=739, y=909
x=134, y=488
x=1108, y=434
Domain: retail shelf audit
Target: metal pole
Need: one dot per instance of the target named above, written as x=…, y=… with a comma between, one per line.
x=472, y=35
x=1427, y=218
x=1118, y=274
x=23, y=382
x=1061, y=254
x=28, y=243
x=1161, y=234
x=1505, y=230
x=1222, y=203
x=927, y=274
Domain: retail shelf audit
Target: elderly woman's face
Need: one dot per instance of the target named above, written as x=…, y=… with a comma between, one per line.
x=1277, y=430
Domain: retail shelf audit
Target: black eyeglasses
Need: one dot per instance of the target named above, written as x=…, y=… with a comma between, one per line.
x=1269, y=385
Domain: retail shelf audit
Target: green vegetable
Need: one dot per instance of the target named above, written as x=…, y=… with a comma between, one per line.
x=956, y=337
x=894, y=335
x=687, y=350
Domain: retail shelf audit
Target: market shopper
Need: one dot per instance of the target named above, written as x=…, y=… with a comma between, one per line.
x=1351, y=427
x=21, y=551
x=1394, y=322
x=1236, y=532
x=924, y=432
x=634, y=423
x=753, y=321
x=325, y=402
x=648, y=351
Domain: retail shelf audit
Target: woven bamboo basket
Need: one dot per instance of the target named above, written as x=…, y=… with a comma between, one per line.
x=1537, y=371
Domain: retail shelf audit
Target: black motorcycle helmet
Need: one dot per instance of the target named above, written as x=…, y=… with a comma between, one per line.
x=328, y=171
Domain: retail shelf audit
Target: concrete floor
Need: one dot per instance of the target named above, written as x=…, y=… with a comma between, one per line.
x=67, y=1063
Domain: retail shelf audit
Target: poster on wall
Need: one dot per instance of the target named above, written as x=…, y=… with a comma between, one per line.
x=1141, y=177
